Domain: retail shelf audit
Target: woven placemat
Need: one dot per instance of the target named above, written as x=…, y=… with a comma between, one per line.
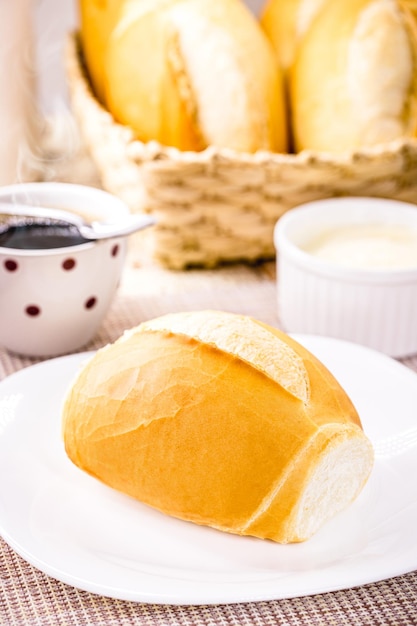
x=30, y=598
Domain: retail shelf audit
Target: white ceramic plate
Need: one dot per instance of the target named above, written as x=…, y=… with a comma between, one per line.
x=83, y=533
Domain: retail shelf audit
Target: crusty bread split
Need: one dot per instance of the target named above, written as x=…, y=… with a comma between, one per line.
x=220, y=420
x=186, y=73
x=353, y=82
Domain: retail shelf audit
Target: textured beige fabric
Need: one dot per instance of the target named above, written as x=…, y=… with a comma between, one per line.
x=30, y=598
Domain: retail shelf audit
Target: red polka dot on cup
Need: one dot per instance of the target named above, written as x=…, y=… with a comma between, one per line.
x=11, y=265
x=91, y=302
x=69, y=264
x=33, y=310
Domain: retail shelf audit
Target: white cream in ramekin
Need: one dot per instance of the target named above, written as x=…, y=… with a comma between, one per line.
x=361, y=293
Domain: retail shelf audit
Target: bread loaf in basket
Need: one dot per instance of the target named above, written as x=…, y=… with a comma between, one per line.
x=220, y=205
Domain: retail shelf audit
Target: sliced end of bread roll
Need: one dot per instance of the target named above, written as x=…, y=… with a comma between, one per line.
x=220, y=420
x=319, y=484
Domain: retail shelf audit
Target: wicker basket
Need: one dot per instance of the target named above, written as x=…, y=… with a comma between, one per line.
x=218, y=205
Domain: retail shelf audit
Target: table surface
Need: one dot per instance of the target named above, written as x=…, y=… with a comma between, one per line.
x=30, y=597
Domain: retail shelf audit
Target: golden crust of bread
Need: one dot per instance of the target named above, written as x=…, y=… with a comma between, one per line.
x=285, y=22
x=195, y=73
x=202, y=428
x=354, y=79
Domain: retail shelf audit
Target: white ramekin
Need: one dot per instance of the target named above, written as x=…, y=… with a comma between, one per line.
x=373, y=307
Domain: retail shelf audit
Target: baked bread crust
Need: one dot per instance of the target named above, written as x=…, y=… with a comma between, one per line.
x=186, y=414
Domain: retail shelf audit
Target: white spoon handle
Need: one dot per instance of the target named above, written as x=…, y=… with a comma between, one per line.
x=95, y=230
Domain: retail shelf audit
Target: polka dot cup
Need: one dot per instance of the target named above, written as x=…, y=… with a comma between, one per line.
x=53, y=300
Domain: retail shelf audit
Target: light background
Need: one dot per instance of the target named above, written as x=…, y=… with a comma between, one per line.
x=52, y=20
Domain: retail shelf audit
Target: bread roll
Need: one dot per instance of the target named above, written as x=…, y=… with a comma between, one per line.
x=285, y=22
x=412, y=6
x=195, y=73
x=97, y=19
x=354, y=79
x=220, y=420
